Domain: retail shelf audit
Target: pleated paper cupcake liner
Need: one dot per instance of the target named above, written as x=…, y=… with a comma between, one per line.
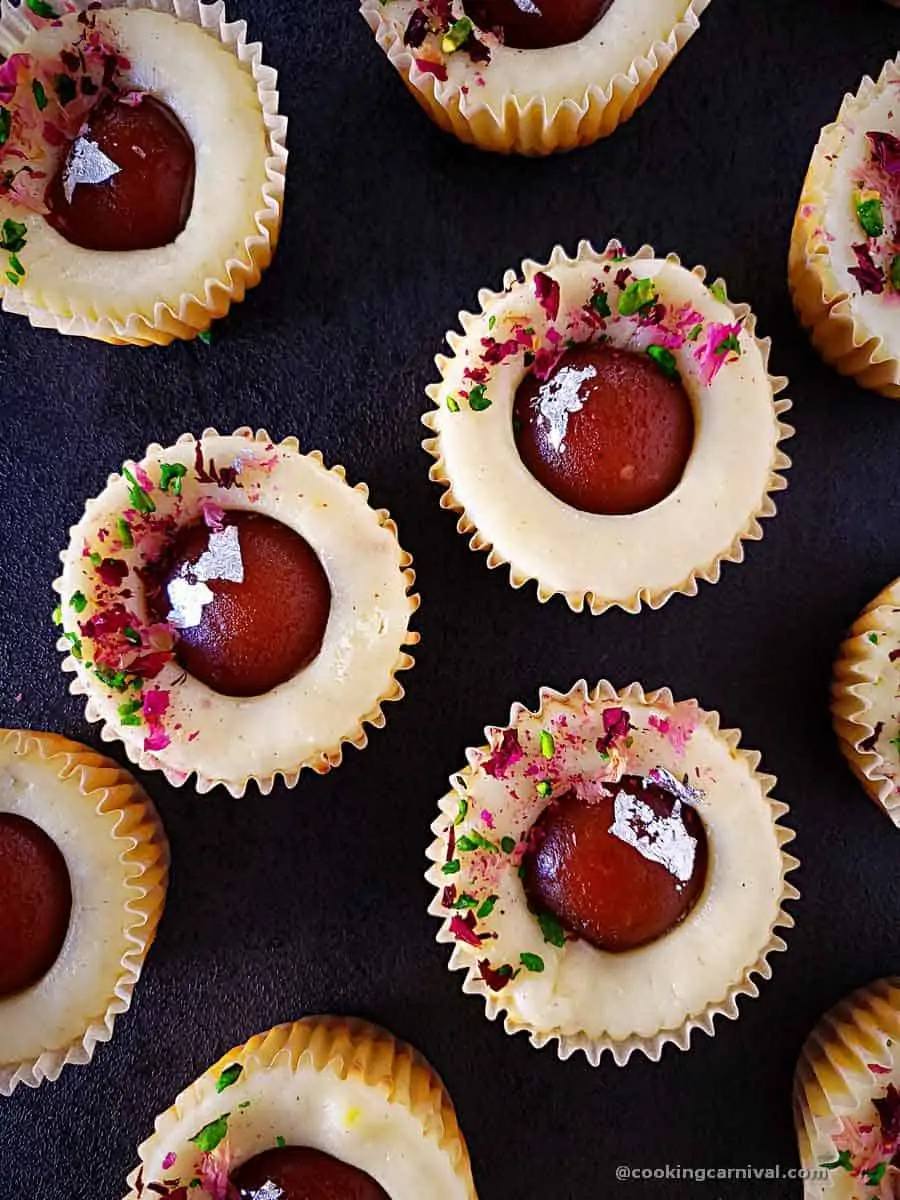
x=180, y=315
x=255, y=722
x=846, y=1062
x=519, y=120
x=597, y=594
x=857, y=673
x=573, y=706
x=95, y=804
x=823, y=305
x=347, y=1075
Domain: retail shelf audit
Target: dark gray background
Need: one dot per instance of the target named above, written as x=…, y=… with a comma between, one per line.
x=314, y=900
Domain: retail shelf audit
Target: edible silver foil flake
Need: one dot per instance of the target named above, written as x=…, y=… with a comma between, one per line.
x=663, y=840
x=86, y=164
x=682, y=791
x=221, y=560
x=268, y=1191
x=559, y=397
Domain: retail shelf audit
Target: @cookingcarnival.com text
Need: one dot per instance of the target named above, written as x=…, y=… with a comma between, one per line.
x=708, y=1174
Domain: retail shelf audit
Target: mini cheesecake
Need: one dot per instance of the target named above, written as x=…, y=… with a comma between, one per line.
x=531, y=78
x=607, y=427
x=610, y=872
x=141, y=168
x=232, y=609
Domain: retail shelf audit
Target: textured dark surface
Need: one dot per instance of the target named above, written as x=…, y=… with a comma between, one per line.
x=314, y=900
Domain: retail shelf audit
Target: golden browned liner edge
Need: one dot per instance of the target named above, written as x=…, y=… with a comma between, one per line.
x=653, y=598
x=594, y=1048
x=192, y=314
x=145, y=869
x=324, y=760
x=525, y=125
x=353, y=1049
x=853, y=673
x=832, y=1071
x=822, y=306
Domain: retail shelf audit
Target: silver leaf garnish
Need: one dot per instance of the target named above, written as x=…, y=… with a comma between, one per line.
x=663, y=840
x=559, y=397
x=86, y=164
x=268, y=1191
x=682, y=791
x=221, y=560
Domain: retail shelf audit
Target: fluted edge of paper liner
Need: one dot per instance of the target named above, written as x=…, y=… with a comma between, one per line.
x=594, y=1048
x=653, y=597
x=325, y=759
x=351, y=1048
x=192, y=313
x=854, y=672
x=833, y=1069
x=823, y=307
x=145, y=867
x=527, y=126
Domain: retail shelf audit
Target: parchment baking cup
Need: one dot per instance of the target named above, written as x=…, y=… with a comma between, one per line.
x=748, y=821
x=820, y=257
x=847, y=1060
x=118, y=861
x=539, y=101
x=179, y=314
x=865, y=697
x=294, y=726
x=610, y=561
x=335, y=1084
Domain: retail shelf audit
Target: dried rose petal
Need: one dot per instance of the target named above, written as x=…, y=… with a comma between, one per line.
x=503, y=756
x=869, y=742
x=886, y=151
x=417, y=29
x=869, y=277
x=547, y=292
x=496, y=980
x=463, y=929
x=616, y=724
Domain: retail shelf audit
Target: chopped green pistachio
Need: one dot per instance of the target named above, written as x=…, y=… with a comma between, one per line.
x=5, y=124
x=487, y=907
x=492, y=321
x=16, y=265
x=870, y=215
x=451, y=868
x=507, y=845
x=664, y=359
x=453, y=404
x=532, y=962
x=718, y=291
x=229, y=1076
x=40, y=9
x=65, y=84
x=138, y=498
x=123, y=529
x=844, y=1160
x=280, y=1142
x=544, y=788
x=695, y=332
x=205, y=337
x=551, y=929
x=600, y=303
x=465, y=901
x=876, y=1174
x=212, y=1134
x=478, y=398
x=40, y=94
x=79, y=601
x=637, y=296
x=170, y=477
x=547, y=744
x=13, y=236
x=57, y=615
x=461, y=811
x=873, y=638
x=458, y=33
